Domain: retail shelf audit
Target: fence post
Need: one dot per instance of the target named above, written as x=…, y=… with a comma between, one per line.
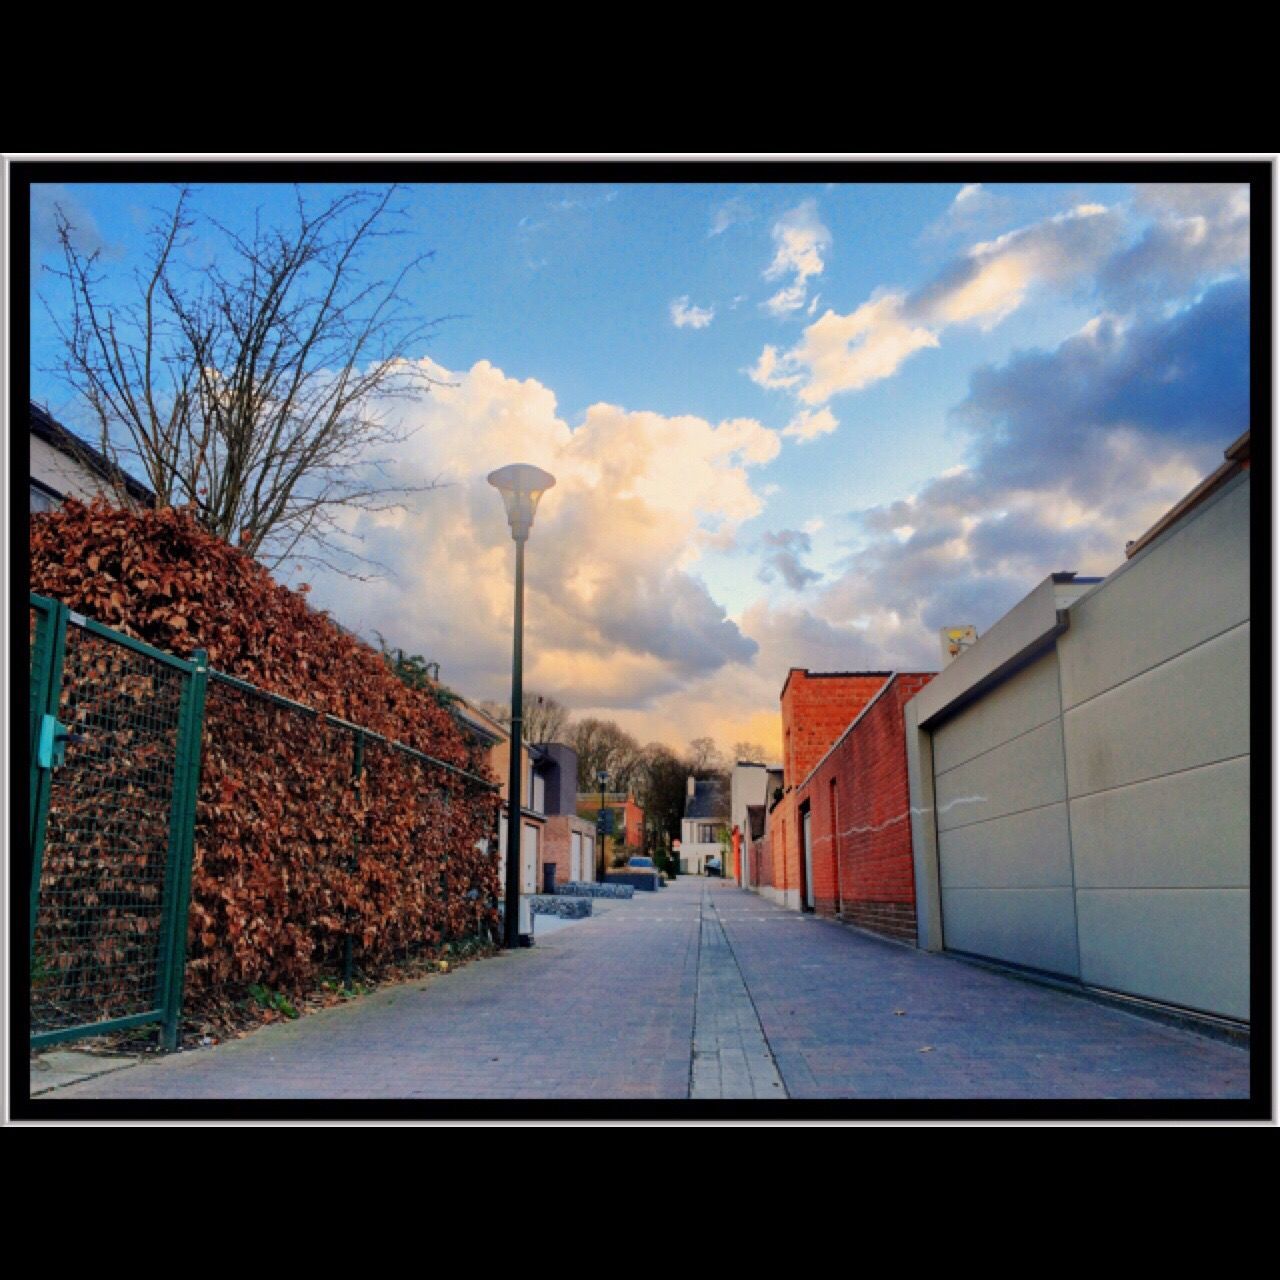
x=186, y=785
x=46, y=690
x=357, y=768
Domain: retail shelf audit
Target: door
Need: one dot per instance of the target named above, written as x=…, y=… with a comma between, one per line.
x=808, y=865
x=575, y=857
x=530, y=884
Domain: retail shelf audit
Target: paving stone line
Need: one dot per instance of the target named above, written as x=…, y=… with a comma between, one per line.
x=731, y=1056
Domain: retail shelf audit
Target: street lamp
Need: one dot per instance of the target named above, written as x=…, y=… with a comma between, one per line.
x=602, y=777
x=521, y=486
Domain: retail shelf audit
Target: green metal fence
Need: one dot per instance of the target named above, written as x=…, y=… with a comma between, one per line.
x=115, y=741
x=115, y=761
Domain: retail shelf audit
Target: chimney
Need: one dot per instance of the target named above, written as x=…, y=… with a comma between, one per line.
x=692, y=787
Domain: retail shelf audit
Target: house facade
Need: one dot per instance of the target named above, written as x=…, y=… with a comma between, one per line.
x=748, y=787
x=705, y=824
x=64, y=466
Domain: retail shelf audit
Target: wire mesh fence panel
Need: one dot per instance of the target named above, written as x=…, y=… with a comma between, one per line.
x=104, y=900
x=275, y=832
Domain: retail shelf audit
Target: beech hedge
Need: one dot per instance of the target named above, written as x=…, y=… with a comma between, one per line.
x=292, y=853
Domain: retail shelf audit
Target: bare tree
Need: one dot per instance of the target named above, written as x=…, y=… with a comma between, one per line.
x=750, y=751
x=545, y=719
x=705, y=759
x=603, y=744
x=255, y=389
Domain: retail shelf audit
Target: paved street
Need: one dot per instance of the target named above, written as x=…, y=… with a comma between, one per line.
x=703, y=991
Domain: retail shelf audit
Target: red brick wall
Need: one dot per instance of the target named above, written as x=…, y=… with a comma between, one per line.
x=863, y=866
x=557, y=845
x=816, y=710
x=635, y=823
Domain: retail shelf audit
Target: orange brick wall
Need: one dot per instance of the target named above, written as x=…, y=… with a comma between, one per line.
x=816, y=710
x=860, y=819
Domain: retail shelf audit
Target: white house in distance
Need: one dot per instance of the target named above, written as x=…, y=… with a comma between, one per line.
x=706, y=818
x=748, y=786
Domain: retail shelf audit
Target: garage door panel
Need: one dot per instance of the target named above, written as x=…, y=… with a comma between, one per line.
x=1024, y=701
x=1187, y=947
x=1145, y=616
x=1020, y=775
x=1031, y=927
x=1023, y=850
x=1188, y=830
x=1191, y=711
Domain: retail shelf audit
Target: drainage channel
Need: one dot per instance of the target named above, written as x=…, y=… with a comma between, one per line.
x=731, y=1057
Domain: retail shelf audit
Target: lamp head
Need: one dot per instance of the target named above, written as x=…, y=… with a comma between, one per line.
x=521, y=485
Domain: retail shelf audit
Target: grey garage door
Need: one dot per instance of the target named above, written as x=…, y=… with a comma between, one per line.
x=1004, y=851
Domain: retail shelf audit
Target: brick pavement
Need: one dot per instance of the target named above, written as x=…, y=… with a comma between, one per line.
x=828, y=999
x=612, y=1008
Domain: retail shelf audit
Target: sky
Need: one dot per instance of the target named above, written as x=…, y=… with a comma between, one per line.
x=792, y=425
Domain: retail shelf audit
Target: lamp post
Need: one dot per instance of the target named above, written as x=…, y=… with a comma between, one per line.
x=521, y=486
x=602, y=777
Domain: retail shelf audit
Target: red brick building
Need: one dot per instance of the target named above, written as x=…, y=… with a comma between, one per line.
x=816, y=709
x=857, y=805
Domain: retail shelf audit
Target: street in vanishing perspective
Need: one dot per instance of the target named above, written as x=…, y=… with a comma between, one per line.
x=739, y=999
x=768, y=635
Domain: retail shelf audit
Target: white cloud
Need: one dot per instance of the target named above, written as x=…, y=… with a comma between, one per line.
x=686, y=316
x=841, y=353
x=614, y=618
x=800, y=240
x=810, y=424
x=846, y=353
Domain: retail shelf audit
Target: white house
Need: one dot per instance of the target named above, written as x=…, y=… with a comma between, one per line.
x=706, y=819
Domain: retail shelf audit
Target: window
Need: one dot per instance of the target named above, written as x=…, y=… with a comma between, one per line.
x=43, y=498
x=708, y=832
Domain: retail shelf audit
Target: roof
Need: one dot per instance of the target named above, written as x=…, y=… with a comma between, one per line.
x=476, y=722
x=708, y=800
x=53, y=433
x=1237, y=460
x=826, y=675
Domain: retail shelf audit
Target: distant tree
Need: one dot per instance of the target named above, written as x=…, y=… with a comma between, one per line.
x=662, y=795
x=750, y=751
x=705, y=759
x=253, y=387
x=545, y=719
x=603, y=744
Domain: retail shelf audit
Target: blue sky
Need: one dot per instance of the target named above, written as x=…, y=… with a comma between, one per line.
x=818, y=461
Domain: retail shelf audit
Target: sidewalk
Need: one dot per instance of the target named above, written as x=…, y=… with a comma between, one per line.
x=702, y=990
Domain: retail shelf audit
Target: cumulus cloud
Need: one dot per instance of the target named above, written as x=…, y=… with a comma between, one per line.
x=841, y=353
x=1198, y=231
x=614, y=615
x=1075, y=452
x=800, y=240
x=809, y=424
x=846, y=353
x=784, y=560
x=686, y=316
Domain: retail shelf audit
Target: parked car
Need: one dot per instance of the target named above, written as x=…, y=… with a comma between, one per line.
x=713, y=867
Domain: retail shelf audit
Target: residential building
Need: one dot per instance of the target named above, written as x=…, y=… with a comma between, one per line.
x=627, y=818
x=817, y=707
x=748, y=786
x=705, y=826
x=1080, y=776
x=535, y=766
x=852, y=812
x=570, y=839
x=63, y=465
